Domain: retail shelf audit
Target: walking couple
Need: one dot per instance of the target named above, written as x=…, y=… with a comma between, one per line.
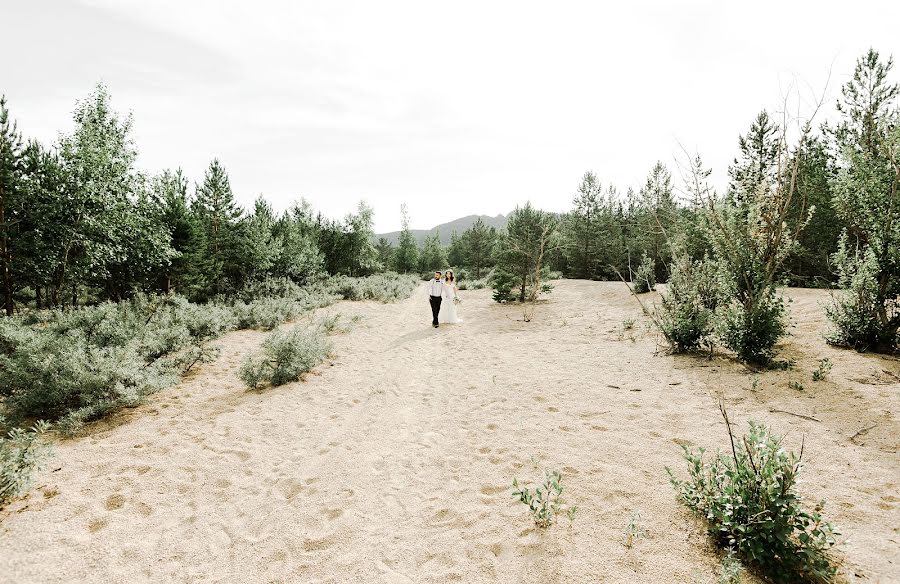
x=443, y=295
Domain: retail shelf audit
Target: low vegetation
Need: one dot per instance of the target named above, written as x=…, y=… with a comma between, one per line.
x=20, y=452
x=285, y=356
x=544, y=501
x=750, y=502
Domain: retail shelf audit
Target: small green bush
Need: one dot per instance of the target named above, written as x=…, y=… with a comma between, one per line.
x=285, y=357
x=20, y=452
x=750, y=503
x=751, y=330
x=645, y=276
x=822, y=371
x=861, y=317
x=545, y=500
x=683, y=316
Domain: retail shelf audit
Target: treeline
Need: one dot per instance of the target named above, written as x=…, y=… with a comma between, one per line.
x=79, y=224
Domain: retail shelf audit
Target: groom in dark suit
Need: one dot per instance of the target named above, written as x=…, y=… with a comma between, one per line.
x=435, y=294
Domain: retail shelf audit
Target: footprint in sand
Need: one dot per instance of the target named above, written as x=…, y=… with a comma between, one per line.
x=114, y=502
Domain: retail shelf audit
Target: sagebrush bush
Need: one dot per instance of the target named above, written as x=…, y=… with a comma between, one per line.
x=20, y=452
x=751, y=505
x=79, y=365
x=285, y=357
x=387, y=287
x=645, y=276
x=683, y=316
x=265, y=313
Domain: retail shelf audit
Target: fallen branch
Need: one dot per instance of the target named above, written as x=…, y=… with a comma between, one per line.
x=794, y=414
x=861, y=432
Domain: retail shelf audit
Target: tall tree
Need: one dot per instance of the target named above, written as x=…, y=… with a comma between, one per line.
x=480, y=242
x=433, y=256
x=407, y=256
x=582, y=228
x=219, y=217
x=10, y=198
x=758, y=162
x=362, y=255
x=867, y=199
x=529, y=236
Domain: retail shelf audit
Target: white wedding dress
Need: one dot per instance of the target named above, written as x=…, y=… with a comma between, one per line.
x=448, y=307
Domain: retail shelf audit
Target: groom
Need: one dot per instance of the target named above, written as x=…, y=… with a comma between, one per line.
x=435, y=293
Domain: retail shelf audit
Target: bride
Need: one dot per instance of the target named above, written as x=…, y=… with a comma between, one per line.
x=451, y=299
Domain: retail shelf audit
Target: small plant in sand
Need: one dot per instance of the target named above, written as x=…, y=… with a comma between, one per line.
x=795, y=385
x=285, y=357
x=329, y=324
x=822, y=371
x=545, y=500
x=750, y=502
x=628, y=324
x=730, y=569
x=633, y=530
x=20, y=452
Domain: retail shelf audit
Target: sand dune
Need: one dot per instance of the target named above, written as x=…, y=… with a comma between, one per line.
x=393, y=463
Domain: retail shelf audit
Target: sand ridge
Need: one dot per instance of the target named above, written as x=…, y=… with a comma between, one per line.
x=393, y=462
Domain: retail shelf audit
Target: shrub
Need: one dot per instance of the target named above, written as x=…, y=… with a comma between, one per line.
x=750, y=503
x=20, y=452
x=502, y=283
x=80, y=365
x=545, y=500
x=683, y=316
x=645, y=276
x=822, y=371
x=266, y=313
x=285, y=357
x=752, y=329
x=387, y=287
x=861, y=317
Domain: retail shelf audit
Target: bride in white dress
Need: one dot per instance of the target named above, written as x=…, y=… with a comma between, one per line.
x=451, y=298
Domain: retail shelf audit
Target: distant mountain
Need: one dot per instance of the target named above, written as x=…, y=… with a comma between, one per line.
x=445, y=230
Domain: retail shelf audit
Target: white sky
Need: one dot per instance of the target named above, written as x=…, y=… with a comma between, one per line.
x=453, y=107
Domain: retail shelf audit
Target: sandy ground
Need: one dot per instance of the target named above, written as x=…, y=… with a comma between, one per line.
x=393, y=463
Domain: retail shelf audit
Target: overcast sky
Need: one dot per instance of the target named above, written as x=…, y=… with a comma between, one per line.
x=452, y=107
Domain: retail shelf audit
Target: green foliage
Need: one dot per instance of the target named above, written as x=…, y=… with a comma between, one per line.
x=730, y=569
x=821, y=372
x=545, y=500
x=684, y=316
x=524, y=246
x=633, y=530
x=867, y=199
x=751, y=330
x=645, y=276
x=285, y=357
x=387, y=287
x=20, y=453
x=750, y=503
x=502, y=282
x=433, y=256
x=406, y=258
x=79, y=365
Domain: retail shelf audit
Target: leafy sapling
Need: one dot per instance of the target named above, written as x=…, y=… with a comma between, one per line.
x=545, y=500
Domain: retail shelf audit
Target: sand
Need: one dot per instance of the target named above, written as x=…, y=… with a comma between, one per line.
x=393, y=462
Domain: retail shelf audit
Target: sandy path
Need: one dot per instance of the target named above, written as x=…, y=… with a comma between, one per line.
x=394, y=464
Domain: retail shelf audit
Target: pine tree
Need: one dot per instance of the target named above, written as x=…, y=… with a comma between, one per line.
x=582, y=228
x=456, y=251
x=433, y=256
x=10, y=199
x=219, y=216
x=523, y=247
x=480, y=242
x=406, y=258
x=867, y=199
x=759, y=157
